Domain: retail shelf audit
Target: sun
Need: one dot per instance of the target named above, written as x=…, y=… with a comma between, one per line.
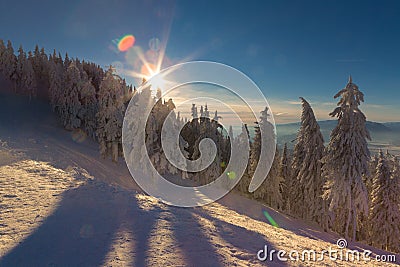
x=157, y=82
x=150, y=73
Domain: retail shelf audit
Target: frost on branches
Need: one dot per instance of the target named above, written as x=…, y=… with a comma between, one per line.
x=110, y=114
x=270, y=189
x=307, y=183
x=346, y=162
x=384, y=214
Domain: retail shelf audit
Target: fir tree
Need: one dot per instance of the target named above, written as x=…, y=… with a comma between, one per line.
x=110, y=114
x=56, y=86
x=385, y=212
x=8, y=61
x=307, y=165
x=70, y=103
x=241, y=141
x=89, y=106
x=346, y=163
x=285, y=172
x=21, y=61
x=270, y=189
x=2, y=56
x=25, y=80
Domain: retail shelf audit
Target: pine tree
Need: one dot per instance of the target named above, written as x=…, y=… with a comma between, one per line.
x=194, y=112
x=241, y=141
x=255, y=149
x=394, y=211
x=66, y=61
x=270, y=189
x=285, y=172
x=8, y=62
x=70, y=105
x=309, y=151
x=230, y=132
x=346, y=163
x=373, y=163
x=21, y=61
x=110, y=114
x=135, y=152
x=56, y=86
x=2, y=57
x=89, y=106
x=25, y=80
x=385, y=211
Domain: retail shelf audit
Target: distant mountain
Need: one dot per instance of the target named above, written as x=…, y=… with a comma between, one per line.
x=384, y=135
x=392, y=125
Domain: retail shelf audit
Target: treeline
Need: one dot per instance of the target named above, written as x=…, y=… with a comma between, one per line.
x=338, y=186
x=84, y=96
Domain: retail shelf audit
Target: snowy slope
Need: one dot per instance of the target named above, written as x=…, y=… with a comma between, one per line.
x=61, y=205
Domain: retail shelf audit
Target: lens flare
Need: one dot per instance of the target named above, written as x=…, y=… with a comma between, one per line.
x=154, y=44
x=148, y=69
x=231, y=175
x=78, y=136
x=270, y=219
x=126, y=42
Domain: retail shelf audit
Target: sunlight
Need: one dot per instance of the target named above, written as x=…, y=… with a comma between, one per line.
x=148, y=69
x=30, y=199
x=158, y=82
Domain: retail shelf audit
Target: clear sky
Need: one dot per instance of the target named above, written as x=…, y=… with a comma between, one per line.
x=289, y=48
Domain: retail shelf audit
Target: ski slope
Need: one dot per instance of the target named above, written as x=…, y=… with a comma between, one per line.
x=62, y=205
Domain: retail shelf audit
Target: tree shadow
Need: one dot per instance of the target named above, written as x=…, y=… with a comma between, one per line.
x=81, y=230
x=196, y=247
x=255, y=210
x=242, y=239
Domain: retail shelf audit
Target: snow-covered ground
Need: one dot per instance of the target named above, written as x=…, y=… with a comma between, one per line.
x=62, y=205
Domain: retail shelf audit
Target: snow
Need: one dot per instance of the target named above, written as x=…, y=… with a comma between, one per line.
x=63, y=205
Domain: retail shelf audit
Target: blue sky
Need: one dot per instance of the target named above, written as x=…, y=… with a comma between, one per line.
x=289, y=48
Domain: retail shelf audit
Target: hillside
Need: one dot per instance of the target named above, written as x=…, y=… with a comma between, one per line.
x=62, y=205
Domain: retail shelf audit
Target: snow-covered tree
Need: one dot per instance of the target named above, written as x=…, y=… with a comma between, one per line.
x=194, y=112
x=89, y=106
x=110, y=114
x=56, y=83
x=241, y=141
x=216, y=116
x=206, y=112
x=384, y=214
x=40, y=64
x=8, y=61
x=230, y=132
x=2, y=56
x=346, y=162
x=285, y=172
x=307, y=183
x=373, y=163
x=255, y=149
x=21, y=59
x=66, y=61
x=25, y=80
x=70, y=105
x=270, y=190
